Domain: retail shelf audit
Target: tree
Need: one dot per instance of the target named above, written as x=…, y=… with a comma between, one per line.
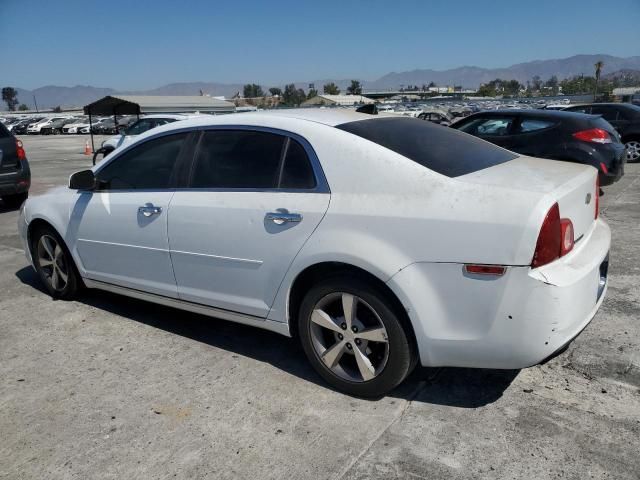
x=312, y=93
x=275, y=91
x=552, y=83
x=598, y=66
x=293, y=97
x=10, y=96
x=251, y=90
x=57, y=109
x=432, y=85
x=331, y=89
x=23, y=107
x=536, y=83
x=355, y=88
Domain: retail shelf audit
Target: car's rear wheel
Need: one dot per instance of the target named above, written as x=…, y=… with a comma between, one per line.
x=54, y=264
x=14, y=201
x=632, y=150
x=354, y=338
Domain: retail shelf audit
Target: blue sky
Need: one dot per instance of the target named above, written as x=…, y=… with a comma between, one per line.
x=139, y=44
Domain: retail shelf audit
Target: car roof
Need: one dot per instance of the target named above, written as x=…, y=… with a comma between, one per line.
x=552, y=114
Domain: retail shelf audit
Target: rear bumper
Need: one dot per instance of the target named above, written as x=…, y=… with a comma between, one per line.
x=513, y=321
x=18, y=181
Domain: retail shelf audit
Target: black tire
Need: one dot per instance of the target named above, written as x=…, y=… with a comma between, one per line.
x=16, y=200
x=65, y=262
x=401, y=351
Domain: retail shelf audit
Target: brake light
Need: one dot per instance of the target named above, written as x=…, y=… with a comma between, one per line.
x=604, y=168
x=566, y=233
x=597, y=202
x=22, y=155
x=549, y=239
x=593, y=135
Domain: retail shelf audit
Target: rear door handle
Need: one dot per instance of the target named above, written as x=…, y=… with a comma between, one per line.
x=149, y=210
x=280, y=218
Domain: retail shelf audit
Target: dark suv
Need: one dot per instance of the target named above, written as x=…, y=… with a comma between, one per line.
x=556, y=135
x=15, y=176
x=625, y=118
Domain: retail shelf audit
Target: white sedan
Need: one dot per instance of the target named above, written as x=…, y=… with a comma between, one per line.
x=378, y=241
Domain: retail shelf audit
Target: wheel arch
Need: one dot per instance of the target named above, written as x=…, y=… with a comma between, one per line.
x=317, y=271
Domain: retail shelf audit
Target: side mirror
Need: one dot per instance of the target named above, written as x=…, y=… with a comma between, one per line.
x=84, y=180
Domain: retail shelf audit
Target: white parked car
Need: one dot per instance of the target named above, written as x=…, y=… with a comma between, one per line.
x=75, y=127
x=379, y=242
x=37, y=126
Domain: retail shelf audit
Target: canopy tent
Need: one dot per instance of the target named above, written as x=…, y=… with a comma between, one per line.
x=140, y=104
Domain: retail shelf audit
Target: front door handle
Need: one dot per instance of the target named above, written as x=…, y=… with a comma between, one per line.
x=149, y=210
x=280, y=218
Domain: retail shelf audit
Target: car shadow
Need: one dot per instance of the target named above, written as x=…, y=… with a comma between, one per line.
x=457, y=387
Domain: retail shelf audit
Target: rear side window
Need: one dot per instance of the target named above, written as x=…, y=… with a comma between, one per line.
x=441, y=149
x=238, y=159
x=252, y=160
x=297, y=172
x=532, y=124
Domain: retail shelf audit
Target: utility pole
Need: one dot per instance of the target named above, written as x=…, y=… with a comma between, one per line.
x=36, y=103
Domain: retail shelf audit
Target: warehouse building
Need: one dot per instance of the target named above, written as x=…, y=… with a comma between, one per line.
x=344, y=100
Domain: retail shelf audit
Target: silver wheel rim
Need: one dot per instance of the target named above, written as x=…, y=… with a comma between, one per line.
x=52, y=262
x=349, y=337
x=633, y=150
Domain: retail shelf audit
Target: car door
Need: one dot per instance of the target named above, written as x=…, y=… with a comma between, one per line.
x=255, y=197
x=121, y=227
x=536, y=137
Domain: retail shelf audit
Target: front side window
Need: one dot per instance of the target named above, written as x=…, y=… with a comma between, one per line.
x=489, y=126
x=251, y=160
x=147, y=166
x=532, y=124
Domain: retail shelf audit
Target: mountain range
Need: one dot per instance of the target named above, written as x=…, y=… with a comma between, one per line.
x=467, y=76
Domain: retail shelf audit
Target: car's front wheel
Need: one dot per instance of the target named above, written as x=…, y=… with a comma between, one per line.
x=353, y=336
x=54, y=264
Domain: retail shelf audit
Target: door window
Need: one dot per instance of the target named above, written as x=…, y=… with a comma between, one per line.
x=532, y=124
x=147, y=166
x=490, y=127
x=608, y=113
x=252, y=160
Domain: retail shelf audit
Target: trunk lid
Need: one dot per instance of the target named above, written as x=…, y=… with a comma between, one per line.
x=572, y=185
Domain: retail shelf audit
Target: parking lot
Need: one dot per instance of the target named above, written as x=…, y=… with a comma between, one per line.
x=111, y=387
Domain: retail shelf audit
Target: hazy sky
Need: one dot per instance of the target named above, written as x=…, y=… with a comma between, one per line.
x=139, y=44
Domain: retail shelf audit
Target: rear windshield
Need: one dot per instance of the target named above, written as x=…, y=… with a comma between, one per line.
x=441, y=149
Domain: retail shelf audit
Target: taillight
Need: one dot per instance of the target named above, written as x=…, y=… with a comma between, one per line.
x=555, y=238
x=597, y=202
x=604, y=168
x=593, y=135
x=566, y=233
x=20, y=150
x=549, y=239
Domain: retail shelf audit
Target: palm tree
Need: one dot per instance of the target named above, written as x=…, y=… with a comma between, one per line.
x=598, y=65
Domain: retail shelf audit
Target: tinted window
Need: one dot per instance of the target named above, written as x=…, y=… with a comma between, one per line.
x=238, y=159
x=4, y=132
x=297, y=171
x=443, y=150
x=488, y=126
x=608, y=113
x=533, y=124
x=582, y=109
x=148, y=166
x=146, y=124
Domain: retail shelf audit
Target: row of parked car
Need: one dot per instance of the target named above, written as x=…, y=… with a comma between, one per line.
x=605, y=135
x=41, y=125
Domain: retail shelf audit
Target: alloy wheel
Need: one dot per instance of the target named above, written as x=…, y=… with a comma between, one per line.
x=52, y=262
x=349, y=337
x=633, y=150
